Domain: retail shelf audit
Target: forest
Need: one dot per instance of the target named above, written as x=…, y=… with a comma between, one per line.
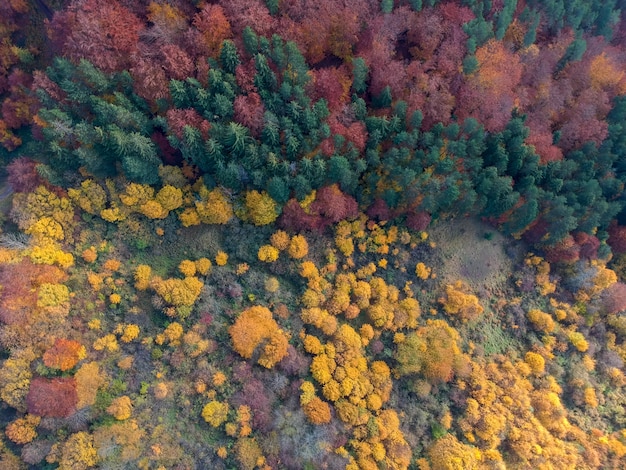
x=331, y=234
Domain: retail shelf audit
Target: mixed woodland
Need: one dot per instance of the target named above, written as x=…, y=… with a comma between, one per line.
x=290, y=234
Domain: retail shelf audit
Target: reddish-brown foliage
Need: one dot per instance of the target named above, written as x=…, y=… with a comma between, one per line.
x=150, y=81
x=101, y=31
x=20, y=106
x=333, y=205
x=176, y=62
x=249, y=112
x=244, y=73
x=418, y=221
x=295, y=219
x=177, y=119
x=542, y=140
x=255, y=395
x=332, y=84
x=23, y=176
x=169, y=154
x=214, y=26
x=253, y=13
x=54, y=398
x=589, y=245
x=584, y=120
x=565, y=251
x=617, y=238
x=379, y=210
x=614, y=298
x=489, y=93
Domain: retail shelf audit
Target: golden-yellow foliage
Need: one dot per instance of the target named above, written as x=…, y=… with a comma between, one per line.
x=187, y=268
x=136, y=194
x=578, y=340
x=125, y=436
x=189, y=217
x=143, y=274
x=52, y=295
x=536, y=362
x=203, y=266
x=307, y=394
x=88, y=380
x=317, y=411
x=280, y=240
x=249, y=455
x=432, y=351
x=78, y=452
x=541, y=320
x=179, y=292
x=121, y=408
x=309, y=270
x=268, y=253
x=49, y=252
x=422, y=271
x=130, y=333
x=298, y=247
x=221, y=258
x=447, y=453
x=22, y=430
x=275, y=349
x=260, y=208
x=47, y=227
x=322, y=368
x=312, y=344
x=169, y=197
x=605, y=73
x=213, y=208
x=108, y=342
x=90, y=197
x=153, y=210
x=215, y=413
x=458, y=301
x=254, y=327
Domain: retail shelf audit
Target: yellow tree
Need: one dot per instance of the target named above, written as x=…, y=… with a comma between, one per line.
x=447, y=453
x=255, y=327
x=459, y=302
x=260, y=208
x=78, y=452
x=213, y=207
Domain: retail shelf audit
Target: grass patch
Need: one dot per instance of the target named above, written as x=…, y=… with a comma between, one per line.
x=468, y=254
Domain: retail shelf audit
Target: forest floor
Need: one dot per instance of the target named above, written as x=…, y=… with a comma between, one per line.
x=475, y=252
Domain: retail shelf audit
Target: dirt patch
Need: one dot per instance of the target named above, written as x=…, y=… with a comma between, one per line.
x=472, y=251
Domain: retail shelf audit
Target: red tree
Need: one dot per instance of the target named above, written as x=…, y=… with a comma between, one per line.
x=249, y=112
x=54, y=398
x=418, y=221
x=565, y=251
x=177, y=119
x=214, y=26
x=149, y=77
x=22, y=175
x=295, y=219
x=588, y=244
x=617, y=238
x=614, y=298
x=176, y=62
x=101, y=31
x=333, y=205
x=379, y=210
